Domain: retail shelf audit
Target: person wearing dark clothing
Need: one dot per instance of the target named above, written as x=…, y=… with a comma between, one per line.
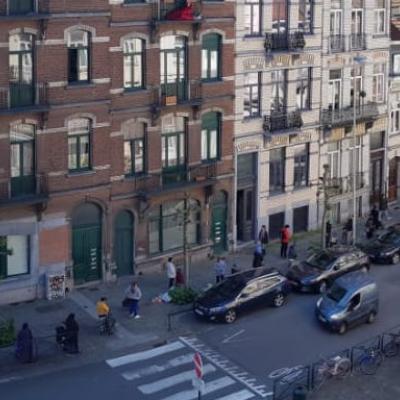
x=71, y=335
x=375, y=217
x=257, y=259
x=347, y=231
x=328, y=234
x=285, y=238
x=369, y=228
x=263, y=238
x=24, y=345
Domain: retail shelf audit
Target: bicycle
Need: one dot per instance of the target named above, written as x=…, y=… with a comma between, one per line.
x=392, y=348
x=107, y=325
x=370, y=361
x=334, y=367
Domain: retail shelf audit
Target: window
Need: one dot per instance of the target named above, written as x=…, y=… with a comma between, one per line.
x=173, y=66
x=210, y=128
x=306, y=15
x=14, y=256
x=79, y=138
x=300, y=173
x=396, y=64
x=211, y=57
x=279, y=90
x=395, y=120
x=277, y=170
x=251, y=100
x=335, y=89
x=252, y=17
x=303, y=89
x=334, y=159
x=19, y=7
x=378, y=83
x=21, y=70
x=78, y=56
x=166, y=226
x=380, y=17
x=356, y=86
x=280, y=17
x=22, y=146
x=134, y=148
x=335, y=26
x=133, y=64
x=357, y=25
x=377, y=140
x=355, y=156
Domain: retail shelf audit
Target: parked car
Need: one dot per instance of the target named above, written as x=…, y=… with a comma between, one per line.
x=385, y=249
x=241, y=292
x=352, y=299
x=317, y=272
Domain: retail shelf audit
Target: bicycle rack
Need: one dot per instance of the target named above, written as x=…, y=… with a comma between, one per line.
x=284, y=386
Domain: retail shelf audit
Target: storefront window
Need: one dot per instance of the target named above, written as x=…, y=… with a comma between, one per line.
x=14, y=260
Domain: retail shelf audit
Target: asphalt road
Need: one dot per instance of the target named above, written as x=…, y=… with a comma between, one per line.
x=258, y=343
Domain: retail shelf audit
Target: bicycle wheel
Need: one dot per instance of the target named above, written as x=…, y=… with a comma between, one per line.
x=390, y=349
x=369, y=364
x=344, y=368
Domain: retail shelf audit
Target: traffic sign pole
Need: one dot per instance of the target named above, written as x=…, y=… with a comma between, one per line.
x=198, y=369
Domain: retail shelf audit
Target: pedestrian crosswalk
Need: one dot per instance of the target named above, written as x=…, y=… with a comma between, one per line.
x=166, y=373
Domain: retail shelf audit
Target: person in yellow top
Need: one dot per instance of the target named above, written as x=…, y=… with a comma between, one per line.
x=102, y=308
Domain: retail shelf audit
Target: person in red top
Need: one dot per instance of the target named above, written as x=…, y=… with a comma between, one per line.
x=285, y=238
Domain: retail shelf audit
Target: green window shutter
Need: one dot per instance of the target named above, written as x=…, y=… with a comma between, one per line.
x=210, y=121
x=211, y=41
x=3, y=257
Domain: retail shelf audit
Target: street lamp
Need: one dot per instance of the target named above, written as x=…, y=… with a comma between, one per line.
x=358, y=60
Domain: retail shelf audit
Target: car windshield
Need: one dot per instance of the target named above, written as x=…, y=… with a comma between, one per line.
x=320, y=260
x=390, y=237
x=336, y=292
x=230, y=287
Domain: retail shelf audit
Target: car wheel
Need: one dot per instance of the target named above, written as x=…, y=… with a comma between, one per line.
x=342, y=328
x=322, y=287
x=279, y=300
x=230, y=316
x=371, y=317
x=395, y=258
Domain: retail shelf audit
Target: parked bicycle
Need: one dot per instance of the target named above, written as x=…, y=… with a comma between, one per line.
x=392, y=348
x=334, y=367
x=370, y=360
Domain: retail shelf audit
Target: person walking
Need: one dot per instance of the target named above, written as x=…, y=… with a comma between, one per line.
x=369, y=228
x=375, y=217
x=71, y=344
x=348, y=229
x=263, y=238
x=136, y=295
x=328, y=234
x=24, y=344
x=220, y=269
x=258, y=256
x=285, y=238
x=171, y=272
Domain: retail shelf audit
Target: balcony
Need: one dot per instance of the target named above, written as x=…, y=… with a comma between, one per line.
x=283, y=42
x=345, y=116
x=338, y=186
x=283, y=121
x=357, y=41
x=23, y=97
x=178, y=10
x=30, y=9
x=28, y=190
x=336, y=43
x=174, y=176
x=178, y=93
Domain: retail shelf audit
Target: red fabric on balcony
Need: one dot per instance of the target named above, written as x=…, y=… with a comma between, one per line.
x=181, y=14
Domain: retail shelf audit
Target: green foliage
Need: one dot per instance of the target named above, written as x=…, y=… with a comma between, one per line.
x=7, y=333
x=181, y=295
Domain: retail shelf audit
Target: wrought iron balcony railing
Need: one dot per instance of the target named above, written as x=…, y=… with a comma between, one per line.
x=337, y=186
x=283, y=121
x=23, y=95
x=357, y=41
x=285, y=41
x=177, y=10
x=345, y=115
x=337, y=43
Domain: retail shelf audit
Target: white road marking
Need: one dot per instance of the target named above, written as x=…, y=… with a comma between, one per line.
x=173, y=380
x=144, y=355
x=209, y=388
x=10, y=379
x=229, y=338
x=153, y=369
x=242, y=395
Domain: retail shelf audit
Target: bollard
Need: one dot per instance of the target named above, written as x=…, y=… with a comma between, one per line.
x=300, y=393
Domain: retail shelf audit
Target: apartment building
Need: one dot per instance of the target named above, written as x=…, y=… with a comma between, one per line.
x=354, y=111
x=116, y=136
x=277, y=136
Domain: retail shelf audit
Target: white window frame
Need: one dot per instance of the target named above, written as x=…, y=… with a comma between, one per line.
x=395, y=120
x=380, y=29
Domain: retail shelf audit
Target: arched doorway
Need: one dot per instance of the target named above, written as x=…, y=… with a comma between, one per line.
x=86, y=243
x=219, y=222
x=123, y=243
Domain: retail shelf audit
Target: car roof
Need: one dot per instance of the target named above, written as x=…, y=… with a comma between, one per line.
x=339, y=250
x=255, y=273
x=355, y=280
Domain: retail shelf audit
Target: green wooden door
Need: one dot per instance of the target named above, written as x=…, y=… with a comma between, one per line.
x=123, y=243
x=219, y=223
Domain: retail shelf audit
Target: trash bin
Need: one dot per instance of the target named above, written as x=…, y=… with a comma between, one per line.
x=300, y=393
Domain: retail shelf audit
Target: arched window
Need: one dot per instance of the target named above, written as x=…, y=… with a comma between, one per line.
x=78, y=56
x=134, y=148
x=22, y=92
x=133, y=63
x=167, y=225
x=211, y=57
x=79, y=144
x=210, y=136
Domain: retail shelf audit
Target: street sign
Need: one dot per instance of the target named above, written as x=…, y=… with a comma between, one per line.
x=198, y=384
x=198, y=365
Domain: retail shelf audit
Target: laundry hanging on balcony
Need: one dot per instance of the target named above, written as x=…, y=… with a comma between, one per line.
x=184, y=13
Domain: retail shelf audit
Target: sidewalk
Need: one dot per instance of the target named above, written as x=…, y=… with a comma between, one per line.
x=43, y=316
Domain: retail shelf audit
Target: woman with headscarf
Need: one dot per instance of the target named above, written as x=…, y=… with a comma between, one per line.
x=71, y=334
x=24, y=344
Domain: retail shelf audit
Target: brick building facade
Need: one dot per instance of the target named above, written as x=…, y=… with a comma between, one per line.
x=116, y=121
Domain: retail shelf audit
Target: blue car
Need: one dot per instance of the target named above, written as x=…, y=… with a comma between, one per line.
x=240, y=292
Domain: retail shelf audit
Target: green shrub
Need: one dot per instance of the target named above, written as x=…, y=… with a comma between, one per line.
x=7, y=333
x=181, y=295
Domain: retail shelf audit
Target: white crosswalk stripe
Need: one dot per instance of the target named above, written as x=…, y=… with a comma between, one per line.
x=167, y=372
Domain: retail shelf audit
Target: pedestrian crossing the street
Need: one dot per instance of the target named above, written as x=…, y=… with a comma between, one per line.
x=167, y=372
